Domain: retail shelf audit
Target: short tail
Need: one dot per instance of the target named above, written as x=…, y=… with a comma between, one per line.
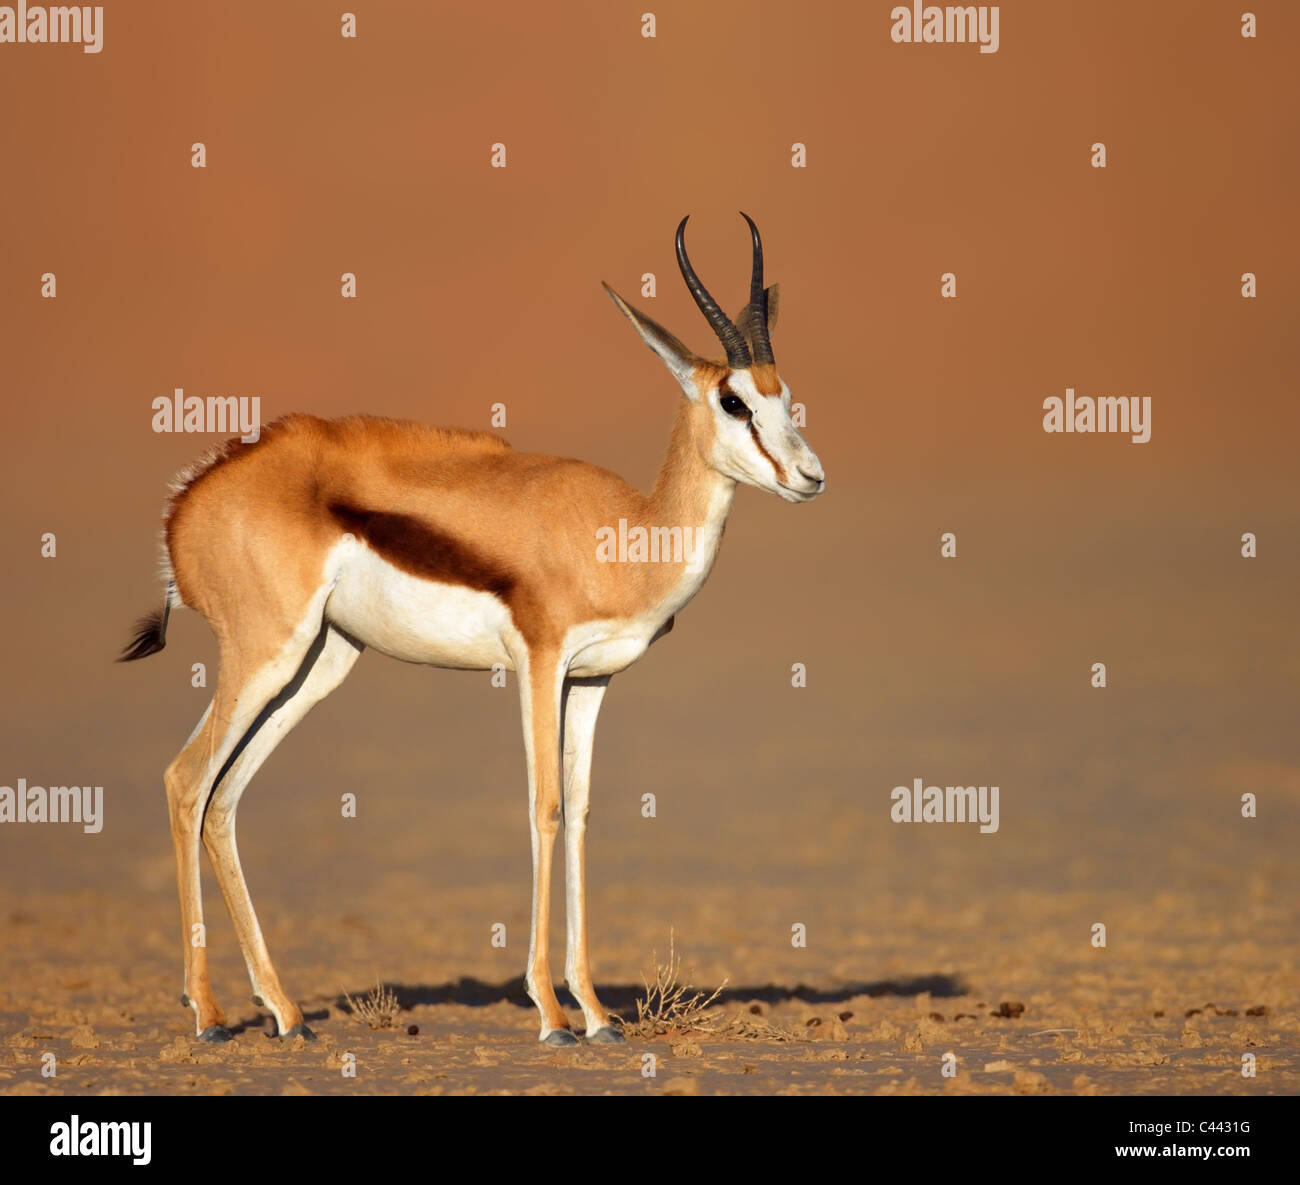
x=150, y=634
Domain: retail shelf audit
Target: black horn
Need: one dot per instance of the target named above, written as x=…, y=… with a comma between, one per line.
x=758, y=334
x=733, y=341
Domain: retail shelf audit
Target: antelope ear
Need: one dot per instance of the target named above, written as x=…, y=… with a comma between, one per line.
x=747, y=315
x=680, y=360
x=773, y=304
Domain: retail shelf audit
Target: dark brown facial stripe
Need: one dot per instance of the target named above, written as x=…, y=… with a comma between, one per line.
x=424, y=551
x=758, y=444
x=724, y=389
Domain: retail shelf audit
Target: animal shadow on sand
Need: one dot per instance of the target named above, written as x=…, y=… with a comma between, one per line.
x=622, y=997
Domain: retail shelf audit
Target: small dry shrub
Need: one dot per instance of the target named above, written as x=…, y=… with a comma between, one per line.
x=671, y=1006
x=378, y=1009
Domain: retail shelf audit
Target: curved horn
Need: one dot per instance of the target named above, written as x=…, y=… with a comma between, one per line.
x=733, y=341
x=758, y=334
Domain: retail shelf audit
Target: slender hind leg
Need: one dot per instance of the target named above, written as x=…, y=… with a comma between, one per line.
x=581, y=707
x=250, y=678
x=540, y=686
x=325, y=667
x=184, y=780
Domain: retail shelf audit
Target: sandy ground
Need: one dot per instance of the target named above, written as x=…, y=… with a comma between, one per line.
x=1091, y=1023
x=891, y=980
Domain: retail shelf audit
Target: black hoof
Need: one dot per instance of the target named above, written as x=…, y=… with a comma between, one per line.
x=606, y=1035
x=215, y=1035
x=185, y=1000
x=559, y=1037
x=300, y=1031
x=258, y=1001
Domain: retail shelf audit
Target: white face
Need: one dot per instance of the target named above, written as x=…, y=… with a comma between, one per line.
x=756, y=442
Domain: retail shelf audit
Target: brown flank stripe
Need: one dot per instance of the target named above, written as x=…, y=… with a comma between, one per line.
x=424, y=551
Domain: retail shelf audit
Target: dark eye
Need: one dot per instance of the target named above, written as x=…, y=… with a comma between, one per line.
x=734, y=406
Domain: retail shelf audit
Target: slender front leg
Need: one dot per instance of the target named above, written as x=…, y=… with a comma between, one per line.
x=582, y=699
x=540, y=682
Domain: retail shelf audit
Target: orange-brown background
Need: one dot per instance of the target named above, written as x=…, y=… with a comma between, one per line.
x=479, y=285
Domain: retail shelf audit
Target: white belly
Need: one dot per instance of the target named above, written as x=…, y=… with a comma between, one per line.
x=444, y=625
x=448, y=625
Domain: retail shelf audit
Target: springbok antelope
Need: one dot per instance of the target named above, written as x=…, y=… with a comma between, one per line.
x=449, y=548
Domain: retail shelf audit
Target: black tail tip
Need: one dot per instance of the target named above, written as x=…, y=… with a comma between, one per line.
x=149, y=637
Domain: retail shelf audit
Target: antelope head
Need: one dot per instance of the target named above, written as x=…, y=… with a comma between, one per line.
x=740, y=408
